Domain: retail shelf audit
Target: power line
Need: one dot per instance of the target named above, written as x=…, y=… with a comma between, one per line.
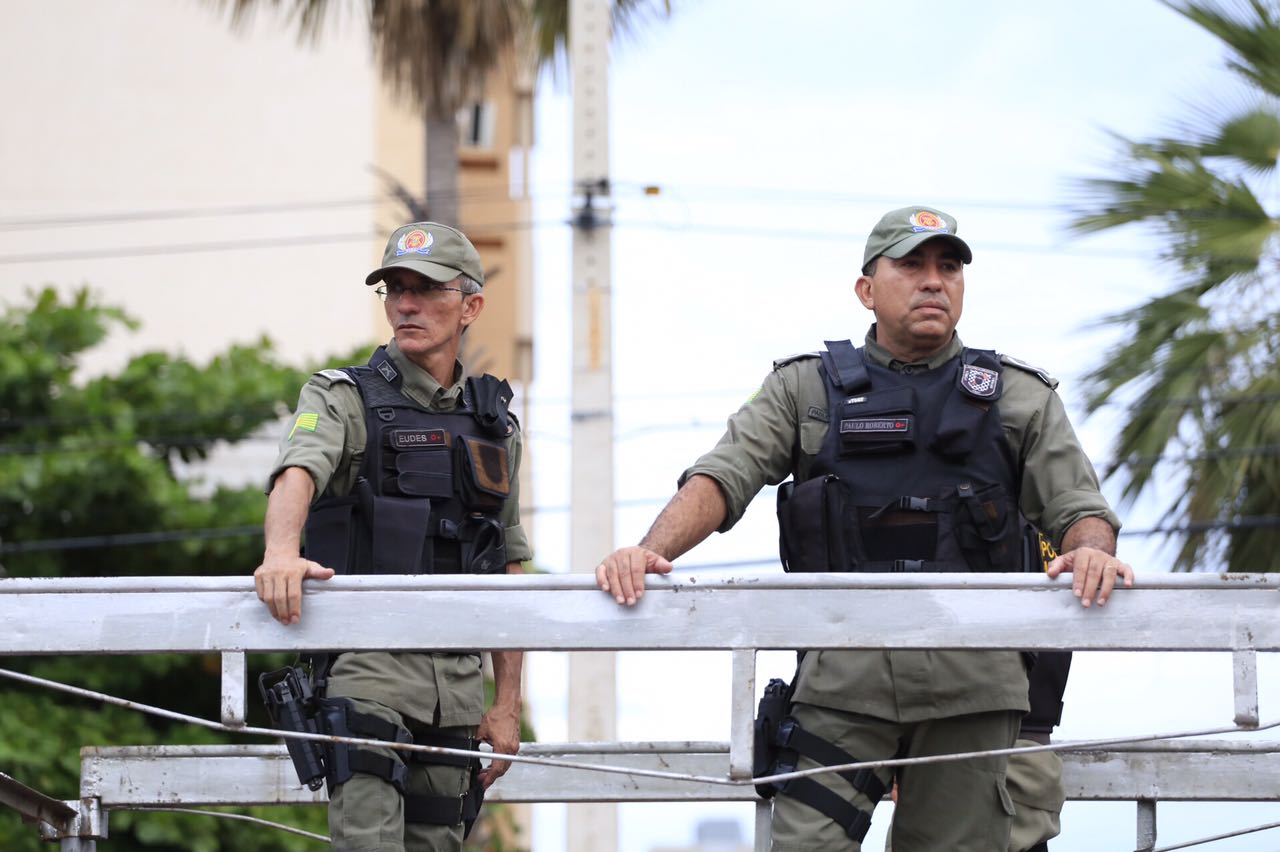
x=235, y=245
x=213, y=212
x=681, y=227
x=207, y=533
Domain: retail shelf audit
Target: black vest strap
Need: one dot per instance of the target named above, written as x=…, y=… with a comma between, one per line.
x=844, y=364
x=978, y=387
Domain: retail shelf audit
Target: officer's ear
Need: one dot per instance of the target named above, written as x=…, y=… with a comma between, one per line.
x=472, y=305
x=863, y=288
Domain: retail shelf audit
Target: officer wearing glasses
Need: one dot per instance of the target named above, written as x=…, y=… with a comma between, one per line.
x=403, y=466
x=910, y=453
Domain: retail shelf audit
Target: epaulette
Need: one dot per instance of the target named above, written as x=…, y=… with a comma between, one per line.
x=782, y=362
x=336, y=377
x=1027, y=368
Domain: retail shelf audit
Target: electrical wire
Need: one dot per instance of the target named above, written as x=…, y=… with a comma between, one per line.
x=238, y=245
x=223, y=815
x=208, y=533
x=1204, y=840
x=631, y=771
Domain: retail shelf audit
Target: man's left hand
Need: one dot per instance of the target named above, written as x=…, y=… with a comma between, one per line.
x=1093, y=573
x=500, y=728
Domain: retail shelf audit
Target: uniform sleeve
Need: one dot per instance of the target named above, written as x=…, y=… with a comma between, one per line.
x=517, y=542
x=1059, y=485
x=756, y=449
x=325, y=436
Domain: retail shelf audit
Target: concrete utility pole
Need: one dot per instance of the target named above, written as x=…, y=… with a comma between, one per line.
x=592, y=700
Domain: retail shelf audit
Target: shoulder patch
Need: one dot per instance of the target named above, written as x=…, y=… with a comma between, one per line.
x=782, y=362
x=1027, y=368
x=336, y=377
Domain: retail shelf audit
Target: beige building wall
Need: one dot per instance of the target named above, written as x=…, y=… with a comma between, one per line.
x=214, y=185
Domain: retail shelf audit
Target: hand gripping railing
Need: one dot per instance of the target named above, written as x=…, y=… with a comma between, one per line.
x=1236, y=613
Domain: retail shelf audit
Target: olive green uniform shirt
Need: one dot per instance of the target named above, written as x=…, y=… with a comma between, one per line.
x=780, y=430
x=327, y=439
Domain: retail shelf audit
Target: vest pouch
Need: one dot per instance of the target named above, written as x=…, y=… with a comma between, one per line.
x=987, y=529
x=889, y=535
x=484, y=474
x=425, y=473
x=484, y=546
x=400, y=527
x=961, y=424
x=881, y=421
x=327, y=534
x=811, y=526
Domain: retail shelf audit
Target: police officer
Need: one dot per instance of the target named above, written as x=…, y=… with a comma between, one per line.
x=404, y=466
x=910, y=453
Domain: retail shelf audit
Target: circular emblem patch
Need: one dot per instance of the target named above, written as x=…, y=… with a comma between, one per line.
x=923, y=220
x=417, y=240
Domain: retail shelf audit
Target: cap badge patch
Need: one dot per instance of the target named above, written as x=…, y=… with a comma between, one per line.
x=979, y=381
x=416, y=241
x=923, y=220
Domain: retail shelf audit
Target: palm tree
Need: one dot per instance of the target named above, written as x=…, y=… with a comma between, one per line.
x=1198, y=369
x=440, y=52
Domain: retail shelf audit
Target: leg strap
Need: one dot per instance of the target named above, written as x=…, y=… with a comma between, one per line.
x=795, y=741
x=448, y=810
x=792, y=736
x=338, y=717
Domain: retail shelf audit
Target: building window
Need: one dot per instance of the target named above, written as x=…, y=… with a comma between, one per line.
x=475, y=125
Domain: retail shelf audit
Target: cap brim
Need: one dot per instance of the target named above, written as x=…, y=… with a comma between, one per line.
x=904, y=247
x=434, y=271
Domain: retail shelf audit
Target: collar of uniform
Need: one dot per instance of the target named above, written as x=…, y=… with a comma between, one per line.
x=421, y=386
x=879, y=355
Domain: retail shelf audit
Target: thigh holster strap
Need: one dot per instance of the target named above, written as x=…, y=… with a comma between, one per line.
x=794, y=741
x=447, y=810
x=428, y=738
x=855, y=822
x=339, y=718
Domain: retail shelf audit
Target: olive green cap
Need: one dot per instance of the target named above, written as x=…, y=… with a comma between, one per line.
x=899, y=231
x=437, y=251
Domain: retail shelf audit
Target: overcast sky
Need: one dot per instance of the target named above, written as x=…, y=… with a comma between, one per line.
x=779, y=133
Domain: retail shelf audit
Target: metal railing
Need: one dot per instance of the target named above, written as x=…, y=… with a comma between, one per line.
x=1233, y=613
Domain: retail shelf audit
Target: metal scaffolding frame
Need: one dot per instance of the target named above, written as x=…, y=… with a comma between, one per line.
x=1231, y=613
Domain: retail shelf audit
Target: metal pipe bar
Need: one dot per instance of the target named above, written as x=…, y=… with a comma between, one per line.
x=207, y=775
x=773, y=579
x=1245, y=680
x=1228, y=618
x=742, y=714
x=34, y=805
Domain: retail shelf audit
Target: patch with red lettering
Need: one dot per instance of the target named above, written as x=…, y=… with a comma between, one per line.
x=875, y=426
x=417, y=439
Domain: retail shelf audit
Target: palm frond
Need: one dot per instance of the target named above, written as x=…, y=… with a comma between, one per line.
x=1251, y=30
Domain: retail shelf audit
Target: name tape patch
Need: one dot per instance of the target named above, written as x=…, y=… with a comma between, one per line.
x=875, y=425
x=416, y=439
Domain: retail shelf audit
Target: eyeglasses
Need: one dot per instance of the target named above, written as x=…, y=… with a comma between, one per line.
x=430, y=292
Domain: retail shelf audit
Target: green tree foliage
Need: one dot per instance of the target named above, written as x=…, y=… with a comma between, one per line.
x=1197, y=366
x=95, y=458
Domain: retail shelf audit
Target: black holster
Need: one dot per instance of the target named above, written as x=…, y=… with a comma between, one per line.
x=292, y=706
x=773, y=708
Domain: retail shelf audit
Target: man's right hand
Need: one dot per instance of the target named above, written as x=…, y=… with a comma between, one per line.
x=621, y=574
x=279, y=583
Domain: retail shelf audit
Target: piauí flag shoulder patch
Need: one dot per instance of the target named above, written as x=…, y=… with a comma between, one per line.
x=306, y=421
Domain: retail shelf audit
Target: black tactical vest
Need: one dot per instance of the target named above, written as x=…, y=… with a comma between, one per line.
x=915, y=473
x=429, y=494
